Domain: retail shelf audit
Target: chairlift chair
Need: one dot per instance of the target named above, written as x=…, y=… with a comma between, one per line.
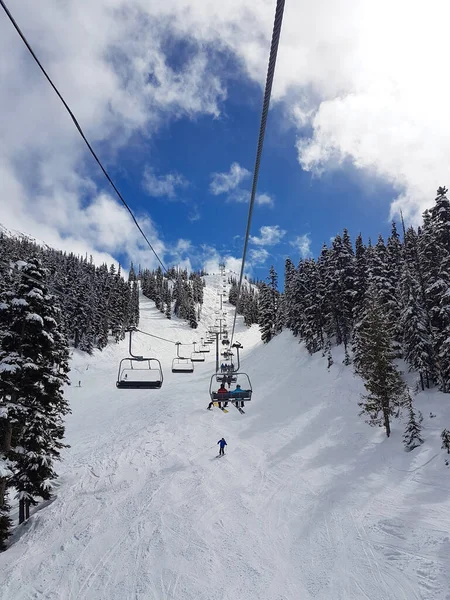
x=240, y=397
x=139, y=373
x=197, y=357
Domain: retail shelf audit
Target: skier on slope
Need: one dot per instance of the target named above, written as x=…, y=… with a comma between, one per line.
x=222, y=443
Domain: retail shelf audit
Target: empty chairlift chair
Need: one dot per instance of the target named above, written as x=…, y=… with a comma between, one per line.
x=197, y=355
x=182, y=364
x=139, y=373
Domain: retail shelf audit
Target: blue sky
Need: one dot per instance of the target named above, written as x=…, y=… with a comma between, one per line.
x=318, y=206
x=169, y=94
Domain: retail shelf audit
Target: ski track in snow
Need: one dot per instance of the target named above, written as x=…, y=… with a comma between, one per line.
x=308, y=503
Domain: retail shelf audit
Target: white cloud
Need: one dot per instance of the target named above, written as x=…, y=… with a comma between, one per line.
x=264, y=199
x=163, y=185
x=379, y=106
x=118, y=81
x=383, y=106
x=302, y=243
x=258, y=256
x=212, y=259
x=269, y=235
x=239, y=195
x=223, y=183
x=194, y=215
x=229, y=183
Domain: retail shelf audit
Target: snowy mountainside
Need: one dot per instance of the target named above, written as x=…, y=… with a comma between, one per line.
x=308, y=503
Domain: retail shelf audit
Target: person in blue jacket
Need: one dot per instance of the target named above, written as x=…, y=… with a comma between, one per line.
x=222, y=443
x=237, y=391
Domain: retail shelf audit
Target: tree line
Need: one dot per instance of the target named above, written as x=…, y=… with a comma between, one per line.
x=49, y=300
x=381, y=302
x=175, y=292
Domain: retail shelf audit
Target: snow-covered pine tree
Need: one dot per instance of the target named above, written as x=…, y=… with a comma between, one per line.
x=5, y=410
x=266, y=315
x=394, y=267
x=192, y=313
x=233, y=293
x=168, y=300
x=339, y=281
x=5, y=474
x=289, y=293
x=159, y=288
x=434, y=253
x=41, y=352
x=445, y=437
x=412, y=436
x=310, y=305
x=361, y=275
x=373, y=361
x=417, y=347
x=280, y=317
x=132, y=274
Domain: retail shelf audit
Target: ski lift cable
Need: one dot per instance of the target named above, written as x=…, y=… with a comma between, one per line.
x=161, y=338
x=77, y=125
x=265, y=110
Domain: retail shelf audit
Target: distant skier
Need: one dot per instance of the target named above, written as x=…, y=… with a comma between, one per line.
x=222, y=443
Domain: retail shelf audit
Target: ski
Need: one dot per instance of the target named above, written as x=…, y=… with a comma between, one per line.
x=221, y=408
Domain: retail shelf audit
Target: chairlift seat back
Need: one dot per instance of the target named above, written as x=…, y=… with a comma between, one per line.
x=182, y=365
x=244, y=395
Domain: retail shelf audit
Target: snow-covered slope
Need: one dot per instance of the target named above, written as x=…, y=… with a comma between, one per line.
x=308, y=503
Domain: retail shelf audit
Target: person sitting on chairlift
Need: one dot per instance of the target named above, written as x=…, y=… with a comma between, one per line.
x=238, y=390
x=222, y=390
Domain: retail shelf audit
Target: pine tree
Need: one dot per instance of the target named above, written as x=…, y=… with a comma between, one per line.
x=361, y=275
x=132, y=274
x=445, y=437
x=394, y=267
x=5, y=474
x=412, y=438
x=266, y=316
x=37, y=354
x=289, y=294
x=373, y=361
x=417, y=347
x=434, y=252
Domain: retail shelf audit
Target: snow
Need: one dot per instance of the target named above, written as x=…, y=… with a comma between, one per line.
x=19, y=302
x=5, y=367
x=4, y=471
x=308, y=502
x=35, y=317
